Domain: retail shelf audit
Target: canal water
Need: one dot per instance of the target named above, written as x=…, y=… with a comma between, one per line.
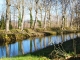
x=33, y=44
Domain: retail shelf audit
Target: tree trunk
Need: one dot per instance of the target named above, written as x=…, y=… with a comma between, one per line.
x=22, y=15
x=45, y=21
x=36, y=11
x=31, y=18
x=7, y=14
x=34, y=27
x=49, y=19
x=57, y=13
x=14, y=20
x=41, y=17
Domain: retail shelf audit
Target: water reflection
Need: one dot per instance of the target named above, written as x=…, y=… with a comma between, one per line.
x=7, y=50
x=30, y=45
x=20, y=48
x=13, y=48
x=33, y=44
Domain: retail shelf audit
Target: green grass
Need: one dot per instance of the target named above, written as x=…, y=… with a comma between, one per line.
x=27, y=57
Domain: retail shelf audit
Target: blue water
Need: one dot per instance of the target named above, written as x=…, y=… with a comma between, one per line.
x=34, y=44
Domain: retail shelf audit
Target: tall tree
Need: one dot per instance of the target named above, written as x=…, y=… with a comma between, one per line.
x=18, y=6
x=76, y=21
x=71, y=12
x=56, y=8
x=45, y=10
x=41, y=10
x=64, y=4
x=30, y=7
x=22, y=15
x=7, y=14
x=50, y=3
x=36, y=13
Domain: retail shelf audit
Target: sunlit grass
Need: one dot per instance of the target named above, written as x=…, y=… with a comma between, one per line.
x=28, y=57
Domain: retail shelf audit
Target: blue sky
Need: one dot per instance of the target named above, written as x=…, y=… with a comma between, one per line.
x=26, y=17
x=1, y=3
x=2, y=6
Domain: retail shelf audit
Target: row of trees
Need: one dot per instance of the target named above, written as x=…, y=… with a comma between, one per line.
x=67, y=12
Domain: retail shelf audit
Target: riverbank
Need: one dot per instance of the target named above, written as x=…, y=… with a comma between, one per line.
x=50, y=53
x=17, y=35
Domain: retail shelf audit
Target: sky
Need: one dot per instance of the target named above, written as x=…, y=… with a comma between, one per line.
x=2, y=6
x=26, y=17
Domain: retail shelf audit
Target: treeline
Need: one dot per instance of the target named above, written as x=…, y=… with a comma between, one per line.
x=66, y=12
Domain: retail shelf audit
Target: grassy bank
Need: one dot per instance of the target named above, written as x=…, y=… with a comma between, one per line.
x=27, y=57
x=44, y=54
x=17, y=35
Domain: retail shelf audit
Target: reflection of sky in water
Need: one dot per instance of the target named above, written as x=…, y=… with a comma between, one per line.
x=26, y=46
x=37, y=41
x=56, y=39
x=31, y=45
x=2, y=51
x=13, y=49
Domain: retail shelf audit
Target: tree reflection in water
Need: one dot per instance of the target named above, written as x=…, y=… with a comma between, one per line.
x=7, y=50
x=20, y=48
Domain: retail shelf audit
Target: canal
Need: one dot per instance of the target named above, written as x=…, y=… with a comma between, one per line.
x=33, y=44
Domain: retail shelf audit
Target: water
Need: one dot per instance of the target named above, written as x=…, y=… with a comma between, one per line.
x=33, y=44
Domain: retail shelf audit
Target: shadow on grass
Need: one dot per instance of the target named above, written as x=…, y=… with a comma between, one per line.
x=68, y=47
x=74, y=58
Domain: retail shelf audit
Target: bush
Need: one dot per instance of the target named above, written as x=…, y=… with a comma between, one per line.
x=55, y=28
x=39, y=30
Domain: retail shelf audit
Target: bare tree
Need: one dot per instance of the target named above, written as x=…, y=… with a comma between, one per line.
x=18, y=6
x=22, y=15
x=64, y=4
x=45, y=10
x=76, y=20
x=56, y=8
x=50, y=4
x=41, y=10
x=36, y=13
x=72, y=12
x=7, y=14
x=30, y=7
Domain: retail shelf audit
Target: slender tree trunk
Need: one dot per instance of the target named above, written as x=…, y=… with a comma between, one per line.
x=49, y=19
x=14, y=20
x=71, y=23
x=7, y=14
x=31, y=18
x=71, y=20
x=22, y=15
x=41, y=17
x=19, y=20
x=45, y=21
x=34, y=27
